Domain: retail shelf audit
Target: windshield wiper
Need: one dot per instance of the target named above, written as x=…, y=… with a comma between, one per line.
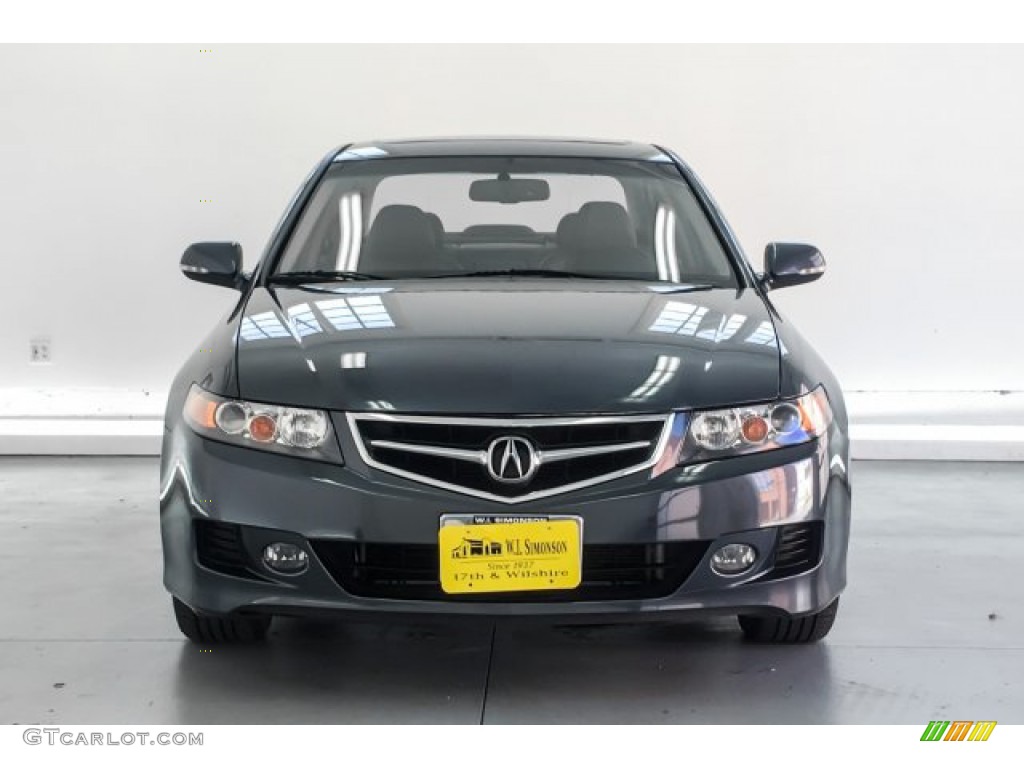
x=533, y=273
x=685, y=287
x=330, y=276
x=320, y=276
x=662, y=287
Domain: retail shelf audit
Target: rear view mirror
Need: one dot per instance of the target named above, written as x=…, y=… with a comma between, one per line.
x=788, y=264
x=507, y=190
x=214, y=263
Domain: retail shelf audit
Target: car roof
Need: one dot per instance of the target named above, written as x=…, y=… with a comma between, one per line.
x=523, y=146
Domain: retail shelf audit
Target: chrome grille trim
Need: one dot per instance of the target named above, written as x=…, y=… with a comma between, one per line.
x=549, y=456
x=564, y=454
x=504, y=421
x=480, y=457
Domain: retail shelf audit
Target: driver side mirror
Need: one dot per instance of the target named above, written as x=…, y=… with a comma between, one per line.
x=787, y=264
x=214, y=263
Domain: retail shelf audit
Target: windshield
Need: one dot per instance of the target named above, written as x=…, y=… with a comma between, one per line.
x=454, y=216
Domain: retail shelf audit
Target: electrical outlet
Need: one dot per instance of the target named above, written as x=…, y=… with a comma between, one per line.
x=39, y=352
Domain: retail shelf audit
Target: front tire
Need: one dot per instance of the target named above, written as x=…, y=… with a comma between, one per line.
x=790, y=629
x=209, y=630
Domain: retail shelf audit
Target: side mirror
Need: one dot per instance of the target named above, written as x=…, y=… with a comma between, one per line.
x=214, y=263
x=788, y=264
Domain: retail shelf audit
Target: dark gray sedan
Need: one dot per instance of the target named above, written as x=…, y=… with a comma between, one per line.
x=504, y=378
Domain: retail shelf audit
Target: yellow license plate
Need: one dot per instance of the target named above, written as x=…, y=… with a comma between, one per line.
x=510, y=557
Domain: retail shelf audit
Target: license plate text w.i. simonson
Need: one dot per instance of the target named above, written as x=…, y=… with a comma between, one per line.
x=509, y=554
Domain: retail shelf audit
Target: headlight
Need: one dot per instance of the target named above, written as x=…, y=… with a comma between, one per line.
x=294, y=431
x=752, y=428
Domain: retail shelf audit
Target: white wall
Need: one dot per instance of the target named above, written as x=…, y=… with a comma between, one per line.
x=904, y=165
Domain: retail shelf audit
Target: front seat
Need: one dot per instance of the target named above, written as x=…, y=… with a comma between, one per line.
x=438, y=225
x=402, y=240
x=601, y=238
x=566, y=234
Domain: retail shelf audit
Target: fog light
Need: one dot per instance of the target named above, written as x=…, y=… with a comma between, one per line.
x=285, y=558
x=733, y=559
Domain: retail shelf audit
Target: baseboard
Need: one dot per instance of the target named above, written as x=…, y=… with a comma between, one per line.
x=935, y=426
x=84, y=437
x=936, y=442
x=81, y=421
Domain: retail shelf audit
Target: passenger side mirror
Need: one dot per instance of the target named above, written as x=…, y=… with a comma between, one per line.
x=214, y=263
x=788, y=264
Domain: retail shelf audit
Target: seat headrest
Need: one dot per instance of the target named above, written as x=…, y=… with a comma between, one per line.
x=438, y=225
x=402, y=237
x=603, y=225
x=568, y=229
x=399, y=221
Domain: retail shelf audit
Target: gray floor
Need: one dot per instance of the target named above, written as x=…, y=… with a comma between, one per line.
x=931, y=627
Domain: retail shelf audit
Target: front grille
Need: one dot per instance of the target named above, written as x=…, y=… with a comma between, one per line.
x=610, y=572
x=219, y=548
x=453, y=453
x=797, y=549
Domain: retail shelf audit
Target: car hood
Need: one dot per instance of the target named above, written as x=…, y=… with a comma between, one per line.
x=507, y=346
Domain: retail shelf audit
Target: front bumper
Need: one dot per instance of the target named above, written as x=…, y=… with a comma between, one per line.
x=278, y=498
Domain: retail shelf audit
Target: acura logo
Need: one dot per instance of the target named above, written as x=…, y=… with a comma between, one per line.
x=511, y=460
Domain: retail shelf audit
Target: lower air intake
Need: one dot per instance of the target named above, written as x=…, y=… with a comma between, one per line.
x=798, y=549
x=219, y=548
x=610, y=572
